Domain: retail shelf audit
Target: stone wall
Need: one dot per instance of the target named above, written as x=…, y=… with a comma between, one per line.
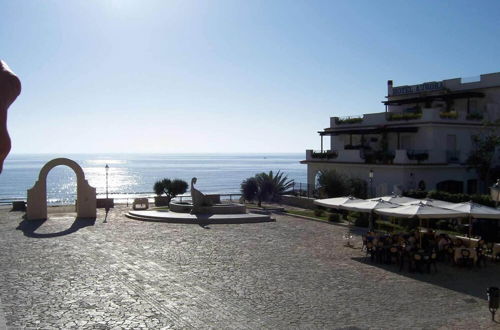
x=304, y=202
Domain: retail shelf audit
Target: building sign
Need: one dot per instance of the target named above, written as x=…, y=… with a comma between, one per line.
x=425, y=87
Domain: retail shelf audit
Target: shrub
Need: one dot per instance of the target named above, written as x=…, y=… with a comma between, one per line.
x=334, y=217
x=403, y=116
x=349, y=121
x=474, y=116
x=359, y=219
x=249, y=189
x=390, y=227
x=318, y=212
x=415, y=194
x=449, y=115
x=266, y=186
x=357, y=187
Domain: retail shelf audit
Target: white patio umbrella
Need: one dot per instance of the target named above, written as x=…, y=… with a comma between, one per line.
x=475, y=210
x=336, y=202
x=421, y=211
x=369, y=206
x=398, y=199
x=433, y=202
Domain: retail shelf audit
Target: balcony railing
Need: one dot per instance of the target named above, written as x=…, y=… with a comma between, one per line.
x=378, y=157
x=453, y=156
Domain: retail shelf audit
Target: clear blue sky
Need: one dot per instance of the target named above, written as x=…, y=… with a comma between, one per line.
x=224, y=76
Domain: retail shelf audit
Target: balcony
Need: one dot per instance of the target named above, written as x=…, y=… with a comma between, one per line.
x=392, y=118
x=327, y=154
x=394, y=157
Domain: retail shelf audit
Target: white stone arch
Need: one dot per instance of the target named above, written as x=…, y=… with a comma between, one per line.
x=37, y=196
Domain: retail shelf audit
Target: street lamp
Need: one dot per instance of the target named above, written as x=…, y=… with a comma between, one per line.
x=370, y=175
x=107, y=170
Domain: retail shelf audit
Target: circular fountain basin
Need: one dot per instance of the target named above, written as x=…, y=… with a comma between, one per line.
x=223, y=208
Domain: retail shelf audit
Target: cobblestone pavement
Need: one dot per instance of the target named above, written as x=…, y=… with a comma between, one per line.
x=292, y=273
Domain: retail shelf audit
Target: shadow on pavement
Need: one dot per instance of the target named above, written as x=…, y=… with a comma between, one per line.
x=473, y=282
x=29, y=227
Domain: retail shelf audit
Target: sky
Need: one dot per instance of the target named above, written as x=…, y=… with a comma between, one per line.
x=182, y=76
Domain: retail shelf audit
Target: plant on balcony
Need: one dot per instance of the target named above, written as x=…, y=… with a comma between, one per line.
x=384, y=157
x=449, y=115
x=330, y=154
x=417, y=155
x=475, y=116
x=404, y=116
x=349, y=121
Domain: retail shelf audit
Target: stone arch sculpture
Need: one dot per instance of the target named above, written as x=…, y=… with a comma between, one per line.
x=37, y=196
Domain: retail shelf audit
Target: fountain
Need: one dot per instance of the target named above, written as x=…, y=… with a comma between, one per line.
x=202, y=209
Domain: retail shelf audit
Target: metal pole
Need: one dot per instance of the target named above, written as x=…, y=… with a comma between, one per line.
x=107, y=169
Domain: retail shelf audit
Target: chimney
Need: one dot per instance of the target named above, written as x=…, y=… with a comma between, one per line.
x=389, y=87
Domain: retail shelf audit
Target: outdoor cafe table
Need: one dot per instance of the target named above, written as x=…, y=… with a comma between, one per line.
x=458, y=254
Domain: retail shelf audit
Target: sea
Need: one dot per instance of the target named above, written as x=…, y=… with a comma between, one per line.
x=133, y=175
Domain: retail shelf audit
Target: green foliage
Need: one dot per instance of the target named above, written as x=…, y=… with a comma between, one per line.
x=357, y=187
x=349, y=121
x=449, y=115
x=333, y=184
x=404, y=116
x=475, y=116
x=481, y=156
x=177, y=187
x=334, y=217
x=158, y=188
x=318, y=212
x=389, y=227
x=359, y=219
x=249, y=189
x=449, y=197
x=415, y=194
x=169, y=187
x=270, y=186
x=330, y=154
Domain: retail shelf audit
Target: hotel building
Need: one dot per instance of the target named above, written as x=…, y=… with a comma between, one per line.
x=421, y=140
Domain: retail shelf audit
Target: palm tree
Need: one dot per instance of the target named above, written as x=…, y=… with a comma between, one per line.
x=266, y=186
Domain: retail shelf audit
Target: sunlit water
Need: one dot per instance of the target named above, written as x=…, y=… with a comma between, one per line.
x=135, y=174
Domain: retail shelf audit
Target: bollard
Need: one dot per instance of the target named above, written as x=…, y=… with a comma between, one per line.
x=493, y=300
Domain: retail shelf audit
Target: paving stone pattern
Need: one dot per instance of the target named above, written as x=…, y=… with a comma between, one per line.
x=292, y=273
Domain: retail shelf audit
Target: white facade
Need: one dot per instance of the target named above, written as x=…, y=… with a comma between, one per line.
x=422, y=139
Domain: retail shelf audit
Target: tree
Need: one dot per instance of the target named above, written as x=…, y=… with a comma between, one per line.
x=176, y=187
x=169, y=187
x=158, y=188
x=481, y=156
x=333, y=184
x=249, y=189
x=266, y=187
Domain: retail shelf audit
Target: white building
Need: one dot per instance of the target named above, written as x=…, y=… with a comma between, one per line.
x=422, y=139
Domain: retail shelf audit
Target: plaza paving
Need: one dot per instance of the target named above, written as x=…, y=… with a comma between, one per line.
x=292, y=273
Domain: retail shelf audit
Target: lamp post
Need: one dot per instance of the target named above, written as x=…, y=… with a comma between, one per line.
x=107, y=170
x=370, y=175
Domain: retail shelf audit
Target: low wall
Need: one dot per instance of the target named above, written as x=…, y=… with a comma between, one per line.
x=303, y=202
